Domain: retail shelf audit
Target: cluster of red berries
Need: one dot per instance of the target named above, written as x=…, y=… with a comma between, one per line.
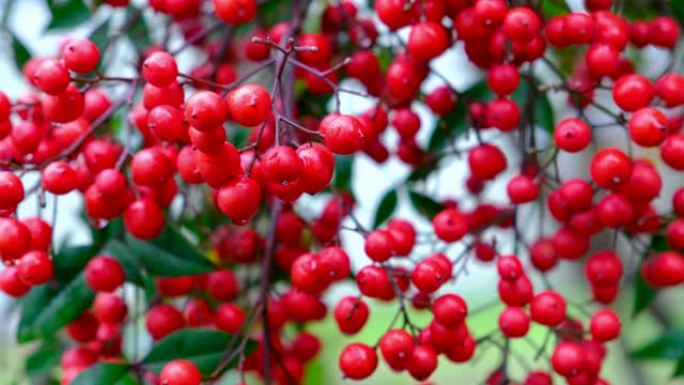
x=292, y=149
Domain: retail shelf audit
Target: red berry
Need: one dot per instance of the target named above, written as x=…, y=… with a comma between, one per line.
x=441, y=100
x=522, y=189
x=572, y=134
x=240, y=198
x=35, y=267
x=450, y=225
x=396, y=346
x=249, y=105
x=503, y=79
x=229, y=317
x=51, y=77
x=486, y=161
x=668, y=88
x=59, y=178
x=358, y=361
x=81, y=55
x=151, y=167
x=11, y=283
x=206, y=111
x=522, y=24
x=548, y=308
x=160, y=69
x=308, y=275
x=605, y=325
x=514, y=322
x=648, y=127
x=662, y=270
x=163, y=320
x=343, y=133
x=568, y=359
x=603, y=268
x=664, y=32
x=422, y=363
x=379, y=245
x=503, y=114
x=144, y=219
x=11, y=190
x=318, y=165
x=633, y=92
x=603, y=59
x=427, y=40
x=449, y=310
x=351, y=314
x=109, y=308
x=610, y=168
x=180, y=372
x=672, y=151
x=104, y=274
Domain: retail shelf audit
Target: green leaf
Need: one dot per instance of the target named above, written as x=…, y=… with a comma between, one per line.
x=678, y=10
x=44, y=359
x=543, y=113
x=139, y=32
x=100, y=35
x=644, y=294
x=669, y=345
x=130, y=265
x=343, y=172
x=387, y=205
x=170, y=254
x=67, y=13
x=206, y=348
x=478, y=91
x=551, y=9
x=679, y=368
x=424, y=204
x=70, y=261
x=448, y=128
x=105, y=374
x=21, y=52
x=47, y=308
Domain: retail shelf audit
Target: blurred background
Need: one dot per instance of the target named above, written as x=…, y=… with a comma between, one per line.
x=27, y=21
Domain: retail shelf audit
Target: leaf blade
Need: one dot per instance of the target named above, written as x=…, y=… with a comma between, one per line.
x=386, y=208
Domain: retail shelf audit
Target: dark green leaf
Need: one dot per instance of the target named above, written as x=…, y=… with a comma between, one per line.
x=421, y=172
x=47, y=308
x=679, y=368
x=170, y=254
x=387, y=205
x=543, y=113
x=552, y=8
x=644, y=295
x=424, y=204
x=113, y=229
x=70, y=261
x=139, y=32
x=478, y=91
x=130, y=265
x=67, y=13
x=343, y=172
x=100, y=35
x=448, y=128
x=667, y=346
x=678, y=10
x=44, y=359
x=21, y=53
x=105, y=374
x=205, y=348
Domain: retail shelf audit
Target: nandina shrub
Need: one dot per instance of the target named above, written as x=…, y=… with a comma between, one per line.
x=214, y=163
